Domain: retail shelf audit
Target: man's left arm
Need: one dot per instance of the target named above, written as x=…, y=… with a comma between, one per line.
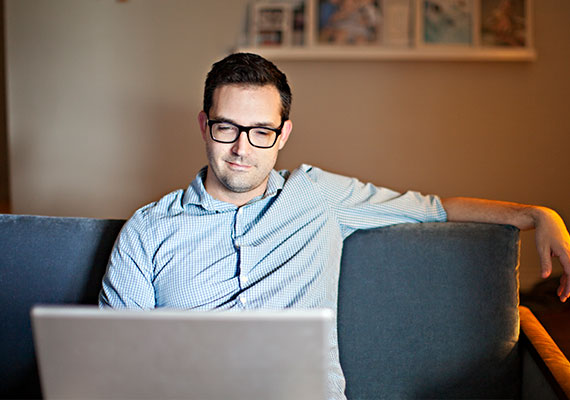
x=552, y=238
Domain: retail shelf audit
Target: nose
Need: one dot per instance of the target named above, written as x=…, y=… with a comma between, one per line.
x=241, y=145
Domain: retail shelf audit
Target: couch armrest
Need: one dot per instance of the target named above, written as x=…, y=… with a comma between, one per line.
x=543, y=354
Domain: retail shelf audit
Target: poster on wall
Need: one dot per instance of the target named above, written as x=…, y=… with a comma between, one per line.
x=445, y=22
x=505, y=23
x=348, y=22
x=277, y=23
x=396, y=23
x=272, y=24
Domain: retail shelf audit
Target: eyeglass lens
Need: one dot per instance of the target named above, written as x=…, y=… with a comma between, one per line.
x=258, y=136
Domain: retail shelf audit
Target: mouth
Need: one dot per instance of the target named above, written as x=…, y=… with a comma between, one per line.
x=238, y=166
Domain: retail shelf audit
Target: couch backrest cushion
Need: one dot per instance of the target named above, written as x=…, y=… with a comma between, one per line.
x=430, y=311
x=425, y=310
x=44, y=260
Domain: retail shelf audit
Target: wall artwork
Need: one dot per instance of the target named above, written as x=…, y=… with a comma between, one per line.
x=348, y=22
x=349, y=25
x=271, y=24
x=446, y=22
x=505, y=23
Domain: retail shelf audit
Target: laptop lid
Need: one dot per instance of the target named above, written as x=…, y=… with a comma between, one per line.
x=84, y=352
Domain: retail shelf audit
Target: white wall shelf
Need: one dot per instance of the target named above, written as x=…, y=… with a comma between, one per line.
x=356, y=53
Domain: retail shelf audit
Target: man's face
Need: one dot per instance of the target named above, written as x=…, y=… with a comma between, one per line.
x=238, y=171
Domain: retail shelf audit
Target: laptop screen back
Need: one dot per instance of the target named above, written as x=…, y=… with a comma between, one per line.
x=84, y=352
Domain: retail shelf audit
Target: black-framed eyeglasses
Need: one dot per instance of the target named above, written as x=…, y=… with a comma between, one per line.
x=258, y=136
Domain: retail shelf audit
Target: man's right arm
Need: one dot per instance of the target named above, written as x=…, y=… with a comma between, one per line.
x=128, y=280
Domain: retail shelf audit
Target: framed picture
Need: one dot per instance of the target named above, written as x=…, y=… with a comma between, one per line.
x=445, y=23
x=506, y=23
x=393, y=29
x=347, y=22
x=271, y=24
x=300, y=23
x=397, y=26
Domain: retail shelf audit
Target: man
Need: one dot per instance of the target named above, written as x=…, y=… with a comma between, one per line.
x=246, y=236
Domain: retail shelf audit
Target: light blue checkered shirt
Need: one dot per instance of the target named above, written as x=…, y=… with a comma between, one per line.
x=280, y=250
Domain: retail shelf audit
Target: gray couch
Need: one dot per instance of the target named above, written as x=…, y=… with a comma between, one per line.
x=425, y=311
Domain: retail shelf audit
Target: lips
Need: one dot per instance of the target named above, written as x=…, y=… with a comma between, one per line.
x=238, y=166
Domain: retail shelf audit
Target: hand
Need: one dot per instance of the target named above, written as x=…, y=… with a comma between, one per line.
x=553, y=240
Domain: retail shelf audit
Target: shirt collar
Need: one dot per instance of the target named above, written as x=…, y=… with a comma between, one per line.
x=196, y=193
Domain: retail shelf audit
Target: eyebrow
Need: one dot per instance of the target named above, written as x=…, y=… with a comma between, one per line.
x=257, y=124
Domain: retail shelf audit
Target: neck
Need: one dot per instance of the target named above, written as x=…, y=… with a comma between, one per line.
x=237, y=199
x=220, y=192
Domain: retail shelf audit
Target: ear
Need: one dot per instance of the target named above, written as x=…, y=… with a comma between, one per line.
x=285, y=132
x=203, y=122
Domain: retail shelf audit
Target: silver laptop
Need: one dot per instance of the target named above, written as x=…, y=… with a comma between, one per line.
x=87, y=353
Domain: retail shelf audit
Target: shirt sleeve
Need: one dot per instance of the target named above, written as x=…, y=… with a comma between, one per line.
x=359, y=205
x=128, y=280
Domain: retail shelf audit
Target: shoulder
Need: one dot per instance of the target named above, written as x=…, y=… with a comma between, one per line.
x=148, y=225
x=325, y=179
x=312, y=180
x=168, y=206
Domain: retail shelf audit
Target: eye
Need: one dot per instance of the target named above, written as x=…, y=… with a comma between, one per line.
x=262, y=132
x=224, y=127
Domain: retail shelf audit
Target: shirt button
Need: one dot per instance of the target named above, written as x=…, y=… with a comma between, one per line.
x=244, y=278
x=242, y=299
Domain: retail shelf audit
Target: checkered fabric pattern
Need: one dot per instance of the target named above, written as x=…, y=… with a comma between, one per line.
x=282, y=249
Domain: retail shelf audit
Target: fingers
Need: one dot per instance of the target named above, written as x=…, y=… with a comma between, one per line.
x=564, y=288
x=545, y=261
x=553, y=240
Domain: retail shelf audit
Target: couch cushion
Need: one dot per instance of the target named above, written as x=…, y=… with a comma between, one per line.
x=430, y=311
x=44, y=260
x=391, y=345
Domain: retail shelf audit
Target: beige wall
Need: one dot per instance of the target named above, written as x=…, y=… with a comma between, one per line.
x=103, y=98
x=4, y=180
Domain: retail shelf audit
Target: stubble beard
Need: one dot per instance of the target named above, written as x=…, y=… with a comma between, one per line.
x=237, y=182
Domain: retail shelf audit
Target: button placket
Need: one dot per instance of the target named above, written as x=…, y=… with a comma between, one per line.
x=239, y=248
x=237, y=231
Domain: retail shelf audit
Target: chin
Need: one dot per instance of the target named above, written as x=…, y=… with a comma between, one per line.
x=238, y=187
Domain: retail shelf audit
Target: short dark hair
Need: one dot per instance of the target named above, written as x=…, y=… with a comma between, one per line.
x=247, y=69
